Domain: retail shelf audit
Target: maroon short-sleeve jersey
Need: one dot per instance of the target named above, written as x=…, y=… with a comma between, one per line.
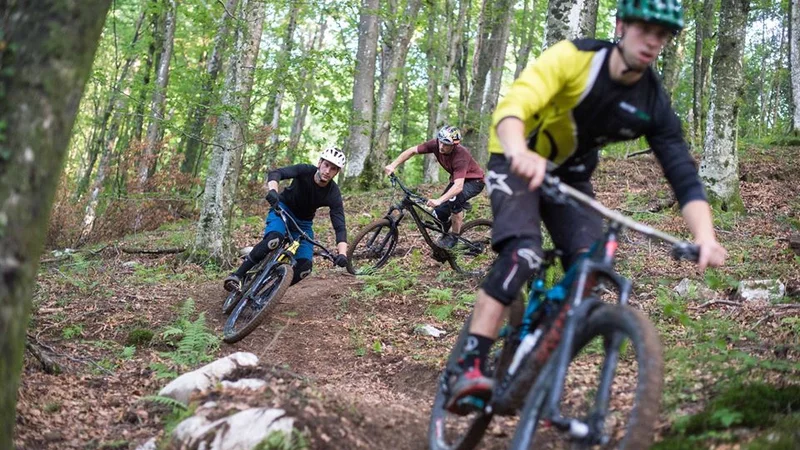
x=458, y=163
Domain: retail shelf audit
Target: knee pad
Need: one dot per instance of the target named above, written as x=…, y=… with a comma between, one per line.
x=269, y=243
x=273, y=239
x=302, y=269
x=442, y=214
x=519, y=259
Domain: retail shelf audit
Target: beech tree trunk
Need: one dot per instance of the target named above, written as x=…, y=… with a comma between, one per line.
x=359, y=139
x=213, y=235
x=150, y=152
x=394, y=72
x=570, y=19
x=720, y=164
x=47, y=52
x=672, y=57
x=435, y=71
x=526, y=36
x=704, y=17
x=306, y=92
x=794, y=61
x=199, y=113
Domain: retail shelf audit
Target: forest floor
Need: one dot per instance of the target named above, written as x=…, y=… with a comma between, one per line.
x=341, y=354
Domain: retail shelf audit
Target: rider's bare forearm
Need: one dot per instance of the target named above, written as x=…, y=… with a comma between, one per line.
x=511, y=134
x=405, y=156
x=457, y=188
x=272, y=185
x=697, y=215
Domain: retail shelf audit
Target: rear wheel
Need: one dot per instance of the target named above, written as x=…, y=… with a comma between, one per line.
x=448, y=431
x=372, y=247
x=472, y=254
x=256, y=303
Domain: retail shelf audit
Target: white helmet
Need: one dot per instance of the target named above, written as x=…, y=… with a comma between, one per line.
x=334, y=156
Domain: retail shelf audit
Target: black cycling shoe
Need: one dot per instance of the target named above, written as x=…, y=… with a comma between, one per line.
x=233, y=283
x=447, y=241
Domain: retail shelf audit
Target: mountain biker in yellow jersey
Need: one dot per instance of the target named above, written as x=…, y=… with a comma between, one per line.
x=312, y=187
x=576, y=97
x=466, y=178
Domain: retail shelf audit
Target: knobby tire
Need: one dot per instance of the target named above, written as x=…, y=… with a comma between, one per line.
x=285, y=273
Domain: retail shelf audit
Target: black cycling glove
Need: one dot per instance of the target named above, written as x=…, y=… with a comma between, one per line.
x=272, y=197
x=340, y=260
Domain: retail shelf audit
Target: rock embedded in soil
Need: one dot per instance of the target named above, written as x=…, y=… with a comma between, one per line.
x=760, y=290
x=204, y=378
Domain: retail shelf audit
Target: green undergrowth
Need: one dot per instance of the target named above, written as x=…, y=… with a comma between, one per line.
x=191, y=342
x=772, y=412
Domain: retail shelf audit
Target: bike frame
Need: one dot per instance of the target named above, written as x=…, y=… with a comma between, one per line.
x=412, y=202
x=568, y=293
x=284, y=254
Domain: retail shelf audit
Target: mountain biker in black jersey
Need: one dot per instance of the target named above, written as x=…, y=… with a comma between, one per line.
x=576, y=97
x=312, y=187
x=466, y=178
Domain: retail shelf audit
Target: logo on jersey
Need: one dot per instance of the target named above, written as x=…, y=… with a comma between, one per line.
x=625, y=106
x=496, y=180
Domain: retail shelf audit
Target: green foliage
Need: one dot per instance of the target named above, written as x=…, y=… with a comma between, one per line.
x=72, y=331
x=139, y=337
x=192, y=341
x=128, y=352
x=279, y=440
x=178, y=411
x=719, y=281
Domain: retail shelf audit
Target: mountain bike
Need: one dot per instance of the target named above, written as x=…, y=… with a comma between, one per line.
x=531, y=360
x=374, y=245
x=265, y=284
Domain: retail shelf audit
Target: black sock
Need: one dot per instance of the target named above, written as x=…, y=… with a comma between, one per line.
x=476, y=349
x=247, y=264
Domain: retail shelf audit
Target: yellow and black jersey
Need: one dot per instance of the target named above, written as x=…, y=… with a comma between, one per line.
x=571, y=108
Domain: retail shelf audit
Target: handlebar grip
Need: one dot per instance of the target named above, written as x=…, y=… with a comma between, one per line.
x=687, y=251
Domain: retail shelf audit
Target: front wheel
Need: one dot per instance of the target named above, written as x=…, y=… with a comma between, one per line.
x=613, y=384
x=257, y=301
x=448, y=431
x=372, y=247
x=472, y=255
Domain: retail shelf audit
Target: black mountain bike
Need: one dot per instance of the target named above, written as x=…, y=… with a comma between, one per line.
x=620, y=353
x=372, y=247
x=266, y=283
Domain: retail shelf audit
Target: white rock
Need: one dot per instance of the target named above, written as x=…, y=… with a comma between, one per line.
x=207, y=376
x=241, y=431
x=429, y=330
x=682, y=288
x=769, y=290
x=130, y=264
x=149, y=445
x=252, y=384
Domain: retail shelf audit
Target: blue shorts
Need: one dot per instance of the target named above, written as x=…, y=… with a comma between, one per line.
x=274, y=223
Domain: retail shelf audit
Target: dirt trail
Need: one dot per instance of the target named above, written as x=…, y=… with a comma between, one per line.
x=304, y=336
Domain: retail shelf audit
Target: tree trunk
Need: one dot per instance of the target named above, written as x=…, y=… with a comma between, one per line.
x=435, y=71
x=394, y=72
x=720, y=164
x=528, y=33
x=275, y=100
x=494, y=34
x=360, y=137
x=150, y=152
x=199, y=113
x=794, y=61
x=46, y=58
x=672, y=57
x=213, y=234
x=98, y=143
x=704, y=17
x=454, y=37
x=570, y=19
x=306, y=92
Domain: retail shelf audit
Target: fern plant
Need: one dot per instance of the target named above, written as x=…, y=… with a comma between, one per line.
x=193, y=341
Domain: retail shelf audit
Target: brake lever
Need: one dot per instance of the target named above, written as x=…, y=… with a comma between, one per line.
x=685, y=251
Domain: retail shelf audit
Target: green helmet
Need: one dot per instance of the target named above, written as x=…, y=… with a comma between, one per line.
x=667, y=13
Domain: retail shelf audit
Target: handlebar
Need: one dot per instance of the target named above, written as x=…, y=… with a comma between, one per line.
x=563, y=193
x=409, y=193
x=287, y=218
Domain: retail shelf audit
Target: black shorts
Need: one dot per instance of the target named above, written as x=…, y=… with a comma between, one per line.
x=456, y=204
x=518, y=213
